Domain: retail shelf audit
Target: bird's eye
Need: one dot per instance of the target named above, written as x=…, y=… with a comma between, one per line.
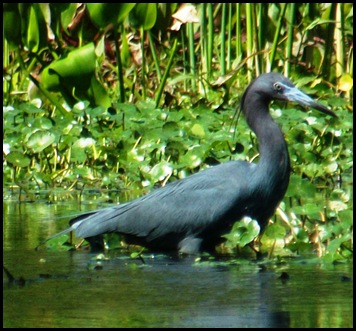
x=277, y=86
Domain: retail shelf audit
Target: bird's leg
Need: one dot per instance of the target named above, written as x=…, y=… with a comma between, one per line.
x=255, y=245
x=190, y=245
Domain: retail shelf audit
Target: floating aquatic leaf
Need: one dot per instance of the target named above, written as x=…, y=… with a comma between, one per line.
x=40, y=140
x=84, y=142
x=198, y=130
x=160, y=171
x=18, y=159
x=243, y=232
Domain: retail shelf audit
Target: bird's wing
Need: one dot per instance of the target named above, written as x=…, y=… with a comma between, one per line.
x=184, y=206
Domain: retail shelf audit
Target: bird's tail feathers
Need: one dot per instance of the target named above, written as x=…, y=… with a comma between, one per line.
x=74, y=223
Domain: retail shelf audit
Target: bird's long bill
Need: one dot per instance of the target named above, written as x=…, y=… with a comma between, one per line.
x=296, y=95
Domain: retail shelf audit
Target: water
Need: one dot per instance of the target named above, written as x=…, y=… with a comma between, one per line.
x=63, y=289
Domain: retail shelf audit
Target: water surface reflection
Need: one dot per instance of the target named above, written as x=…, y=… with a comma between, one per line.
x=62, y=289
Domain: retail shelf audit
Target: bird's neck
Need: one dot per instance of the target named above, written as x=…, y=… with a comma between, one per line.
x=274, y=165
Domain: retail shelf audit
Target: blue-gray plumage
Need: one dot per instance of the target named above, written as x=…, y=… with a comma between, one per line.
x=190, y=215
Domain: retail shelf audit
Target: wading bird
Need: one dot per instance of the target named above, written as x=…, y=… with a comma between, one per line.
x=190, y=215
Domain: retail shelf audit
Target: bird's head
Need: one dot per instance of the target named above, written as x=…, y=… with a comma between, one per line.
x=274, y=86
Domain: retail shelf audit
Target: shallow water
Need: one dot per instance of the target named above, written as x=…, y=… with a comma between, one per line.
x=62, y=289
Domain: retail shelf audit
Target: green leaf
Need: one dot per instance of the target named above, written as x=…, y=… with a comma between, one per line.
x=299, y=187
x=76, y=69
x=243, y=232
x=334, y=245
x=18, y=159
x=309, y=209
x=39, y=140
x=331, y=167
x=84, y=172
x=80, y=147
x=12, y=24
x=194, y=157
x=143, y=16
x=299, y=247
x=42, y=123
x=346, y=217
x=345, y=82
x=30, y=109
x=36, y=29
x=98, y=93
x=103, y=14
x=59, y=244
x=74, y=77
x=198, y=130
x=97, y=111
x=83, y=143
x=113, y=240
x=67, y=12
x=160, y=171
x=275, y=231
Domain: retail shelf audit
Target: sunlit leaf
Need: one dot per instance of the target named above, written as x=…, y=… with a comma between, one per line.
x=194, y=157
x=40, y=140
x=84, y=142
x=243, y=232
x=76, y=69
x=135, y=155
x=345, y=83
x=42, y=123
x=337, y=205
x=98, y=93
x=198, y=130
x=186, y=13
x=160, y=171
x=331, y=167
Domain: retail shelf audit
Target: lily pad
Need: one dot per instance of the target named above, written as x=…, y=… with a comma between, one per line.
x=40, y=140
x=18, y=159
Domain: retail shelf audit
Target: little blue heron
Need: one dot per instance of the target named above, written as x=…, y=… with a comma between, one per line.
x=190, y=215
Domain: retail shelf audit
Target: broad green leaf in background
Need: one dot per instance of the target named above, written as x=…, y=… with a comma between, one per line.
x=12, y=24
x=76, y=69
x=103, y=14
x=74, y=77
x=143, y=16
x=36, y=30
